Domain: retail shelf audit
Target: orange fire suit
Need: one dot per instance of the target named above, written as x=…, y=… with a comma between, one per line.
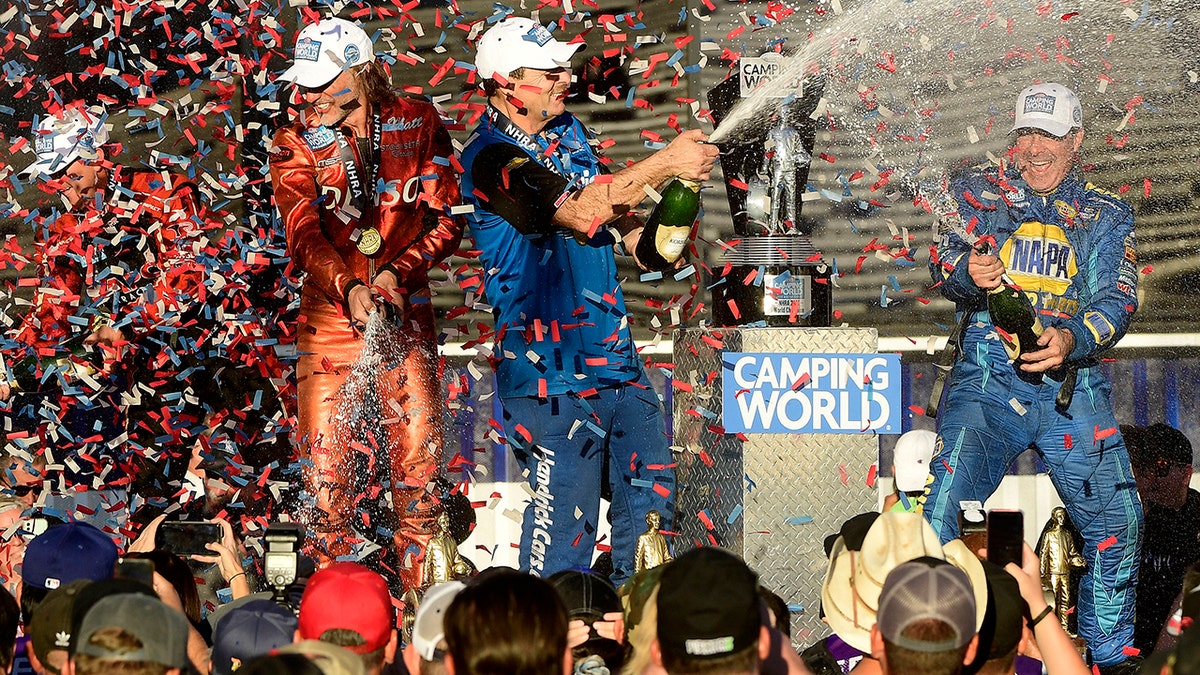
x=410, y=192
x=132, y=261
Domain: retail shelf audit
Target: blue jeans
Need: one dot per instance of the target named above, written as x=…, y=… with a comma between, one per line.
x=980, y=434
x=565, y=443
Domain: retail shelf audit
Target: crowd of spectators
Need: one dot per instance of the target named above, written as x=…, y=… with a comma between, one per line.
x=896, y=600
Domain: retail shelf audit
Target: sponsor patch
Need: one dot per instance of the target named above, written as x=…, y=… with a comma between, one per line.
x=1102, y=331
x=1065, y=210
x=328, y=162
x=281, y=153
x=308, y=49
x=1039, y=257
x=539, y=34
x=403, y=124
x=319, y=137
x=351, y=54
x=1039, y=103
x=44, y=144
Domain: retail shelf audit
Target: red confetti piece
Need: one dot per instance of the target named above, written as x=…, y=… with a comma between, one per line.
x=1101, y=434
x=703, y=516
x=947, y=465
x=1128, y=650
x=1104, y=545
x=1068, y=443
x=523, y=432
x=844, y=474
x=871, y=475
x=801, y=382
x=916, y=410
x=662, y=490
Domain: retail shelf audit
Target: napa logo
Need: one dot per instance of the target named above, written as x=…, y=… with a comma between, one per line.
x=1039, y=103
x=1039, y=257
x=811, y=393
x=308, y=49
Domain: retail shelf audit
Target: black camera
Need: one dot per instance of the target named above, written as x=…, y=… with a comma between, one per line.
x=281, y=558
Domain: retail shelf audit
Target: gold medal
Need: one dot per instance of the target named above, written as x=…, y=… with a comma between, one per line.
x=369, y=241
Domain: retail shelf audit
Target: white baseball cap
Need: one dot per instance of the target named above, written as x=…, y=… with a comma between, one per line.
x=517, y=42
x=1050, y=107
x=326, y=48
x=911, y=457
x=429, y=627
x=62, y=138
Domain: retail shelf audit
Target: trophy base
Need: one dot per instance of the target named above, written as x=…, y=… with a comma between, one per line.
x=776, y=281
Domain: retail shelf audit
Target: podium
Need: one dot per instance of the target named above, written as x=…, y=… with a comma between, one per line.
x=768, y=497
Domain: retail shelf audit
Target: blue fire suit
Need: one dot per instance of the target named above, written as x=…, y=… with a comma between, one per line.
x=1073, y=253
x=577, y=405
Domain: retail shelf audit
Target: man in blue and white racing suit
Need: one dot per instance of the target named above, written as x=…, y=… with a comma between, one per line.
x=1070, y=247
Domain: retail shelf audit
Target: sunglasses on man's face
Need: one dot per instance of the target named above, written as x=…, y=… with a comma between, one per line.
x=26, y=490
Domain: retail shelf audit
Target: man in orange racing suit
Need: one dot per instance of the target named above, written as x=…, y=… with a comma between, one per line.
x=364, y=184
x=125, y=265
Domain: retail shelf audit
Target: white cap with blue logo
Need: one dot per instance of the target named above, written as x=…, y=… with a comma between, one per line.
x=1050, y=107
x=62, y=138
x=517, y=42
x=326, y=48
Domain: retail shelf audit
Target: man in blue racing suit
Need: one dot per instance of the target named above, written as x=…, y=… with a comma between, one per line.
x=1070, y=247
x=547, y=215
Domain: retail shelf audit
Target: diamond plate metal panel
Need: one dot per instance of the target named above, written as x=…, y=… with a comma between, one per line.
x=770, y=498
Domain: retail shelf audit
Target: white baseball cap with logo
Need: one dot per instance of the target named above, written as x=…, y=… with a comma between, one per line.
x=1051, y=107
x=62, y=138
x=325, y=49
x=517, y=42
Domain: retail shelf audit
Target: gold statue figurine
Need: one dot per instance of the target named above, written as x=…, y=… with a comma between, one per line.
x=652, y=548
x=1058, y=555
x=442, y=560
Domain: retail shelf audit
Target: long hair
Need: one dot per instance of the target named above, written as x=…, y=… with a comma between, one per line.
x=375, y=81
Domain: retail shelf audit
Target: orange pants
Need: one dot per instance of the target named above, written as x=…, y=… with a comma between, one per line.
x=390, y=409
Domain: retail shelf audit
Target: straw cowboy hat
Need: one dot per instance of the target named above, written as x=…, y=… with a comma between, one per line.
x=854, y=579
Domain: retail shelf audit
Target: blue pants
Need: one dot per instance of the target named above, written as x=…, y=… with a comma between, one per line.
x=565, y=443
x=981, y=432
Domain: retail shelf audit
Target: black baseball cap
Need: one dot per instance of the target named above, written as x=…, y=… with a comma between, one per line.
x=697, y=623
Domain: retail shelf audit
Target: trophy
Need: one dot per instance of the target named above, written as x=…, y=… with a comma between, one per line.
x=772, y=273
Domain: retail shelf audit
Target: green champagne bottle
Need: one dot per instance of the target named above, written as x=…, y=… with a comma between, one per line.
x=669, y=225
x=1013, y=314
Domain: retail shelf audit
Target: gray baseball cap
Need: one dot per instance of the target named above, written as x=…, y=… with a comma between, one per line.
x=161, y=629
x=927, y=589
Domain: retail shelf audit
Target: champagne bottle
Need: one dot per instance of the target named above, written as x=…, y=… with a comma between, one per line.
x=669, y=225
x=1013, y=314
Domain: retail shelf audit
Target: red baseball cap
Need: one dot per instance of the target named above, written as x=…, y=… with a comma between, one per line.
x=347, y=596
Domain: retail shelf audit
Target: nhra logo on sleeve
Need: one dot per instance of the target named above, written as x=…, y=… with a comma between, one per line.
x=318, y=137
x=1039, y=257
x=308, y=49
x=1039, y=103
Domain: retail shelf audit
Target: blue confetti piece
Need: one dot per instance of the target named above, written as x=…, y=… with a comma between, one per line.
x=799, y=520
x=733, y=515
